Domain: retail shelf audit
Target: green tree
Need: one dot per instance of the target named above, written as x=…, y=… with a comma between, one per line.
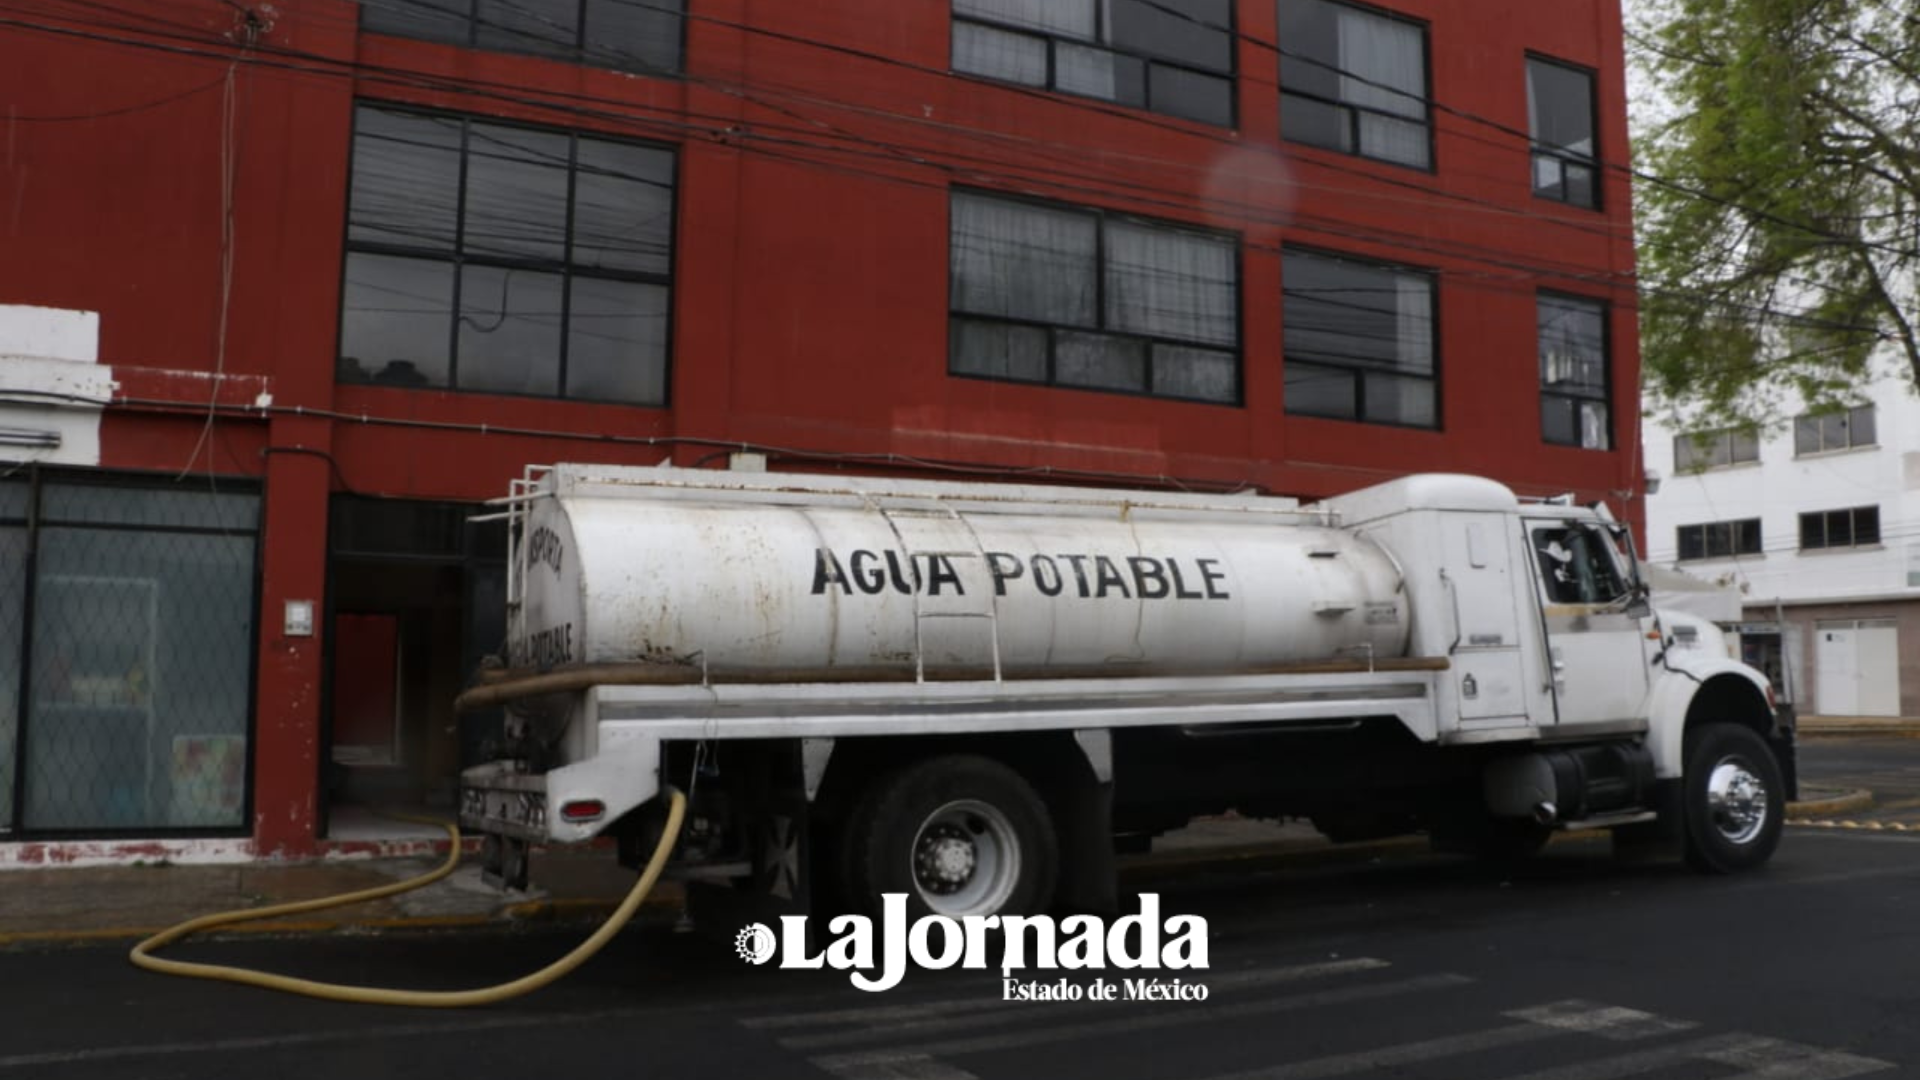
x=1779, y=198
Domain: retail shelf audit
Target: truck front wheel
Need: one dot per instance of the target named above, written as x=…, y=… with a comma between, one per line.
x=959, y=835
x=1734, y=805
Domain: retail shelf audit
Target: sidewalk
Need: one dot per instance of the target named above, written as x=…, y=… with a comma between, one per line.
x=1902, y=726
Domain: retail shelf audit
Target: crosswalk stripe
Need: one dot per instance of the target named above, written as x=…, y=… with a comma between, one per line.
x=1775, y=1059
x=904, y=1019
x=1402, y=1054
x=1132, y=1024
x=1641, y=1061
x=1606, y=1021
x=898, y=1067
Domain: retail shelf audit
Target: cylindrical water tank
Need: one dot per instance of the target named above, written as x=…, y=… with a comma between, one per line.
x=815, y=576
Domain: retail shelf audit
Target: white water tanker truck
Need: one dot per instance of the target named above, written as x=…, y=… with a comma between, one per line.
x=976, y=694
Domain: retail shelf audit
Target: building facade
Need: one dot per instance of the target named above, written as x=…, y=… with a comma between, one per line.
x=295, y=287
x=1817, y=522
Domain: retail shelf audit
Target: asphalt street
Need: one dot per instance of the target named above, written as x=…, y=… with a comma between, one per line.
x=1573, y=967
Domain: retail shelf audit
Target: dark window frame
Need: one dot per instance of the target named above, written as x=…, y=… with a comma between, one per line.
x=1702, y=451
x=33, y=523
x=1350, y=111
x=1605, y=397
x=1432, y=278
x=1729, y=539
x=1832, y=530
x=1101, y=218
x=580, y=52
x=1822, y=424
x=459, y=259
x=1538, y=149
x=1102, y=33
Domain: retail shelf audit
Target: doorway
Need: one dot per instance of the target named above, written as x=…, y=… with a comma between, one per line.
x=415, y=599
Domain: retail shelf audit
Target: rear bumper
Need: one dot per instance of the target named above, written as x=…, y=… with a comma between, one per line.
x=501, y=798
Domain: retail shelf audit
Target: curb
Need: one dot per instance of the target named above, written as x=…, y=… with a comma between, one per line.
x=1844, y=803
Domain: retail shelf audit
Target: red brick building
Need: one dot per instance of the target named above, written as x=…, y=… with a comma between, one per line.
x=355, y=265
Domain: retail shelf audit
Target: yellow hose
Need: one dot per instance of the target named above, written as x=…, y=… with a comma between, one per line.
x=378, y=995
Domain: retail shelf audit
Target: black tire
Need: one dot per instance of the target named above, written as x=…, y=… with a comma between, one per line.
x=959, y=835
x=1732, y=803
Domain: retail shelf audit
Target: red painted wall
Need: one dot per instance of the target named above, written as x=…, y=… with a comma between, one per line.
x=817, y=145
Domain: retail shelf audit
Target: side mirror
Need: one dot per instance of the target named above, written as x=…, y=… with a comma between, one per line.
x=1639, y=607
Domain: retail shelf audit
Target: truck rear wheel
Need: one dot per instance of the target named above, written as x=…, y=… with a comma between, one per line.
x=1733, y=803
x=960, y=835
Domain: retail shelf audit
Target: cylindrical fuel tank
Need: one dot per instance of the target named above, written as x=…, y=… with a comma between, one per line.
x=781, y=573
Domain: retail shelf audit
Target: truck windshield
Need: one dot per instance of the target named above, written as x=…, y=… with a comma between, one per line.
x=1577, y=566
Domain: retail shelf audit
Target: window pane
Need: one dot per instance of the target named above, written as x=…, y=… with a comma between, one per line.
x=1096, y=360
x=617, y=341
x=635, y=36
x=509, y=330
x=1840, y=528
x=516, y=193
x=1596, y=433
x=623, y=208
x=542, y=27
x=1072, y=18
x=395, y=320
x=998, y=350
x=1549, y=177
x=1023, y=262
x=1560, y=107
x=1316, y=122
x=1833, y=432
x=1557, y=421
x=1813, y=532
x=1863, y=426
x=1313, y=390
x=1309, y=38
x=141, y=672
x=1746, y=446
x=1098, y=73
x=198, y=507
x=1747, y=540
x=1580, y=190
x=1336, y=309
x=1205, y=99
x=448, y=21
x=1686, y=453
x=1195, y=373
x=1572, y=346
x=1195, y=32
x=999, y=54
x=1382, y=63
x=1866, y=525
x=1393, y=399
x=406, y=179
x=1691, y=540
x=1390, y=139
x=1806, y=435
x=1169, y=283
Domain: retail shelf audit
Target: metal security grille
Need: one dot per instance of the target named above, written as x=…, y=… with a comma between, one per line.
x=126, y=654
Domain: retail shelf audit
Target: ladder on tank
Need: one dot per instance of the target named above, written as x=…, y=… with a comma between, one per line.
x=904, y=520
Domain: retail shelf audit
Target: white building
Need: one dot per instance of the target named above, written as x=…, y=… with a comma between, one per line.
x=1817, y=521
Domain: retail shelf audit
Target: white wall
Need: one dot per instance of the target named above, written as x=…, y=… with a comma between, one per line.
x=52, y=386
x=1780, y=487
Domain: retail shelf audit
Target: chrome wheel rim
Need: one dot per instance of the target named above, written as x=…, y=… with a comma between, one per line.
x=965, y=859
x=1736, y=800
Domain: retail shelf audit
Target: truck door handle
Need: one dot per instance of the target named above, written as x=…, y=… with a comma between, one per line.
x=1453, y=592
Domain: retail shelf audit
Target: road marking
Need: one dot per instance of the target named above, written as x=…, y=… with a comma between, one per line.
x=1125, y=1025
x=1641, y=1061
x=1773, y=1059
x=878, y=1017
x=309, y=1038
x=1540, y=1023
x=1873, y=826
x=898, y=1067
x=1607, y=1021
